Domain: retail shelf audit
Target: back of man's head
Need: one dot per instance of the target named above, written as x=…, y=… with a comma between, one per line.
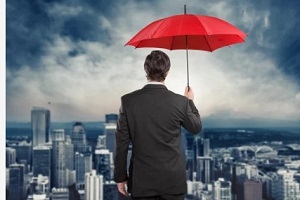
x=157, y=65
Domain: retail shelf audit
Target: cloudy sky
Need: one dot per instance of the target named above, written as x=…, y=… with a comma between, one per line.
x=69, y=56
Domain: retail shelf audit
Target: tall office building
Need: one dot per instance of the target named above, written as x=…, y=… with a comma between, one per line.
x=41, y=161
x=205, y=169
x=93, y=186
x=284, y=187
x=83, y=164
x=69, y=153
x=40, y=185
x=60, y=194
x=222, y=190
x=109, y=131
x=78, y=137
x=62, y=159
x=16, y=186
x=101, y=142
x=11, y=156
x=190, y=154
x=40, y=125
x=23, y=151
x=203, y=147
x=110, y=191
x=111, y=118
x=252, y=190
x=103, y=163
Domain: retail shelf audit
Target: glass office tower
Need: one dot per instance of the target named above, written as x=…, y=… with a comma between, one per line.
x=16, y=182
x=40, y=125
x=42, y=161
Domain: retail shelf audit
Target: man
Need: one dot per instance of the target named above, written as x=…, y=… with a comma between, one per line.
x=151, y=119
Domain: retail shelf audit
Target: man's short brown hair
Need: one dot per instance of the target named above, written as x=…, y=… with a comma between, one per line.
x=156, y=66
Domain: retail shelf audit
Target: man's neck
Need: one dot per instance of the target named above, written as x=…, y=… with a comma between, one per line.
x=156, y=82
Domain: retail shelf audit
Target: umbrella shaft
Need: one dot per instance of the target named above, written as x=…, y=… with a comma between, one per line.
x=187, y=61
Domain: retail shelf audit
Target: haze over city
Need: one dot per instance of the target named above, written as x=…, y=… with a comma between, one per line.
x=72, y=60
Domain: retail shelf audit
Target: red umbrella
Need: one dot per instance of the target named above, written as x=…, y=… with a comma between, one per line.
x=188, y=31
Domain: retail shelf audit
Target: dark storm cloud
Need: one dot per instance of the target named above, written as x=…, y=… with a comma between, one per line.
x=27, y=28
x=281, y=37
x=286, y=18
x=30, y=26
x=86, y=27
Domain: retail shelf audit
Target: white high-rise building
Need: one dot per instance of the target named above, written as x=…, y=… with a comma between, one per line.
x=103, y=163
x=11, y=156
x=109, y=130
x=101, y=142
x=40, y=125
x=62, y=158
x=222, y=189
x=284, y=187
x=204, y=169
x=60, y=194
x=83, y=164
x=93, y=186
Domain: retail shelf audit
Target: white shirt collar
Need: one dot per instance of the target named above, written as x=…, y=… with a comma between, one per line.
x=154, y=83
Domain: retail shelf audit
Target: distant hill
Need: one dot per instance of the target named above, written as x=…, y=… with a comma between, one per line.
x=237, y=137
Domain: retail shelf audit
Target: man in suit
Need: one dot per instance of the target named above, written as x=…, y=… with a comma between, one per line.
x=151, y=119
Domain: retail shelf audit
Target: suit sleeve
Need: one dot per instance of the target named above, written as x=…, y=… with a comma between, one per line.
x=192, y=121
x=121, y=149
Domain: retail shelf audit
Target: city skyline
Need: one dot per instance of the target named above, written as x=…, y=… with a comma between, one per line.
x=73, y=60
x=223, y=172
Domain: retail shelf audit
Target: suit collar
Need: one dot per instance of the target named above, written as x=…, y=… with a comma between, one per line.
x=154, y=86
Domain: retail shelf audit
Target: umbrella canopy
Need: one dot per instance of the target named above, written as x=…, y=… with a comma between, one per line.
x=188, y=31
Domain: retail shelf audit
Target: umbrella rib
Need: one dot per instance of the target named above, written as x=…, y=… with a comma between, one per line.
x=208, y=43
x=172, y=43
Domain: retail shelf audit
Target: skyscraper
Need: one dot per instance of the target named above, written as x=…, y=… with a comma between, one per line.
x=111, y=118
x=23, y=151
x=11, y=156
x=284, y=187
x=16, y=182
x=40, y=185
x=190, y=154
x=93, y=186
x=101, y=142
x=110, y=129
x=40, y=125
x=252, y=190
x=203, y=147
x=60, y=194
x=103, y=163
x=222, y=190
x=78, y=137
x=62, y=159
x=205, y=169
x=42, y=161
x=110, y=191
x=83, y=164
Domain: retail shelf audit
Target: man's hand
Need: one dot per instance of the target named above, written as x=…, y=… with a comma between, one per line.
x=189, y=93
x=122, y=187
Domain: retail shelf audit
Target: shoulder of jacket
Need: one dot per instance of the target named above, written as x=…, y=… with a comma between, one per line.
x=128, y=95
x=178, y=95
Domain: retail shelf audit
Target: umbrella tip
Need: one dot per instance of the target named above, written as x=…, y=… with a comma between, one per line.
x=184, y=9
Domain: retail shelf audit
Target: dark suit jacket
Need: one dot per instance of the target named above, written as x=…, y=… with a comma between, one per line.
x=151, y=118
